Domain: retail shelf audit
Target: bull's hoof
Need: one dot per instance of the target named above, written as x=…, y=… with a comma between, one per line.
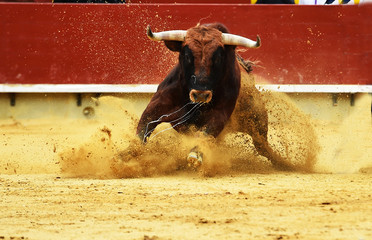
x=194, y=160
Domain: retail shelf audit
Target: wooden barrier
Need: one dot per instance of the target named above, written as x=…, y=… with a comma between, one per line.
x=47, y=47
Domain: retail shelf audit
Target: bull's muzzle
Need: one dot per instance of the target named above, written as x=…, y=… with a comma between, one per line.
x=200, y=96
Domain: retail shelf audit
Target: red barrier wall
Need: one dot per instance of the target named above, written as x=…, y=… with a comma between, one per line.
x=106, y=44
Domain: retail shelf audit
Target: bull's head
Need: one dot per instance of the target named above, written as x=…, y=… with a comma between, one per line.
x=206, y=54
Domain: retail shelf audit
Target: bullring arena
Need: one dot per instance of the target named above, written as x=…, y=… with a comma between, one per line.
x=76, y=78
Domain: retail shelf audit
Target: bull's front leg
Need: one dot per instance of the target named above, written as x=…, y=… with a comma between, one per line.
x=213, y=127
x=146, y=125
x=155, y=113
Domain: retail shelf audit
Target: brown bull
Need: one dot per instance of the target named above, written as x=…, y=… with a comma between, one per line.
x=203, y=88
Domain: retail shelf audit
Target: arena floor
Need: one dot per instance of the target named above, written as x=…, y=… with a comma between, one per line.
x=45, y=196
x=249, y=206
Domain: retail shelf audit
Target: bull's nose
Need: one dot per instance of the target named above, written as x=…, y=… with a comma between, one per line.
x=200, y=96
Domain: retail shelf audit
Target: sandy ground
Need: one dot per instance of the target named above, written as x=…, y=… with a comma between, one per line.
x=61, y=179
x=254, y=206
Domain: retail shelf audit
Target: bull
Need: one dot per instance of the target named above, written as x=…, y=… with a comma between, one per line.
x=203, y=88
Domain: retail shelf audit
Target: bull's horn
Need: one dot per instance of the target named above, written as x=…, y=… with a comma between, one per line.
x=231, y=39
x=176, y=35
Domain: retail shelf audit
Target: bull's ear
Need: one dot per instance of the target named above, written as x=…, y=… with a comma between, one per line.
x=174, y=46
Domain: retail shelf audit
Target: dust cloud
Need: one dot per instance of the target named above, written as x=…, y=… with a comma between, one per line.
x=114, y=150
